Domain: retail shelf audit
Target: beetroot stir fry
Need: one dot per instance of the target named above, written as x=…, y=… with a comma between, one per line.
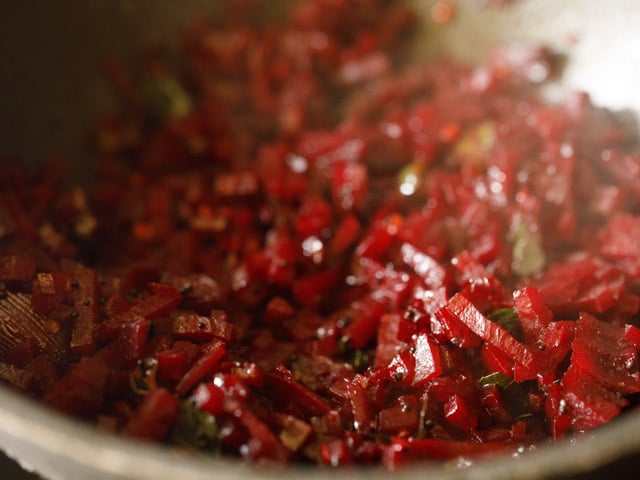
x=299, y=248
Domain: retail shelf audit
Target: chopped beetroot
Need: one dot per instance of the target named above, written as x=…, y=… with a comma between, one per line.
x=533, y=314
x=401, y=369
x=172, y=364
x=549, y=354
x=382, y=234
x=305, y=249
x=162, y=301
x=602, y=350
x=388, y=342
x=16, y=218
x=582, y=285
x=349, y=186
x=608, y=287
x=199, y=291
x=50, y=290
x=138, y=277
x=220, y=325
x=294, y=432
x=492, y=400
x=192, y=327
x=236, y=184
x=115, y=305
x=557, y=412
x=84, y=294
x=312, y=289
x=250, y=373
x=361, y=411
x=489, y=331
x=132, y=341
x=203, y=366
x=587, y=403
x=345, y=234
x=17, y=268
x=402, y=416
x=619, y=242
x=391, y=287
x=285, y=386
x=632, y=334
x=427, y=359
x=209, y=397
x=81, y=391
x=314, y=215
x=335, y=453
x=278, y=310
x=433, y=274
x=263, y=443
x=459, y=414
x=477, y=282
x=363, y=325
x=280, y=255
x=155, y=417
x=447, y=326
x=495, y=360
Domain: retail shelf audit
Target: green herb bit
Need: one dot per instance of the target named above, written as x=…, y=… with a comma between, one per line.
x=344, y=345
x=423, y=422
x=515, y=397
x=360, y=360
x=508, y=319
x=496, y=378
x=165, y=98
x=410, y=177
x=196, y=429
x=474, y=146
x=143, y=378
x=528, y=257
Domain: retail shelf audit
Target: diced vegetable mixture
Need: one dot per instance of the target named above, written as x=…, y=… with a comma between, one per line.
x=300, y=247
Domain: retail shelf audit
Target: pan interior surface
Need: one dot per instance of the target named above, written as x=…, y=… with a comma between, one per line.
x=53, y=87
x=53, y=90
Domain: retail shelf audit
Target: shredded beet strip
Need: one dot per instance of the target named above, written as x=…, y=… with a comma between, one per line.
x=300, y=249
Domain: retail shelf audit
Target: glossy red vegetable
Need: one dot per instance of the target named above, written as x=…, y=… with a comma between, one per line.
x=155, y=417
x=438, y=264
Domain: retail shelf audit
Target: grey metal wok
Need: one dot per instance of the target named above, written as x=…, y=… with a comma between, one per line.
x=51, y=90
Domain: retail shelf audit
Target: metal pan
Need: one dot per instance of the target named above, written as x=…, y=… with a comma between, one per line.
x=51, y=90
